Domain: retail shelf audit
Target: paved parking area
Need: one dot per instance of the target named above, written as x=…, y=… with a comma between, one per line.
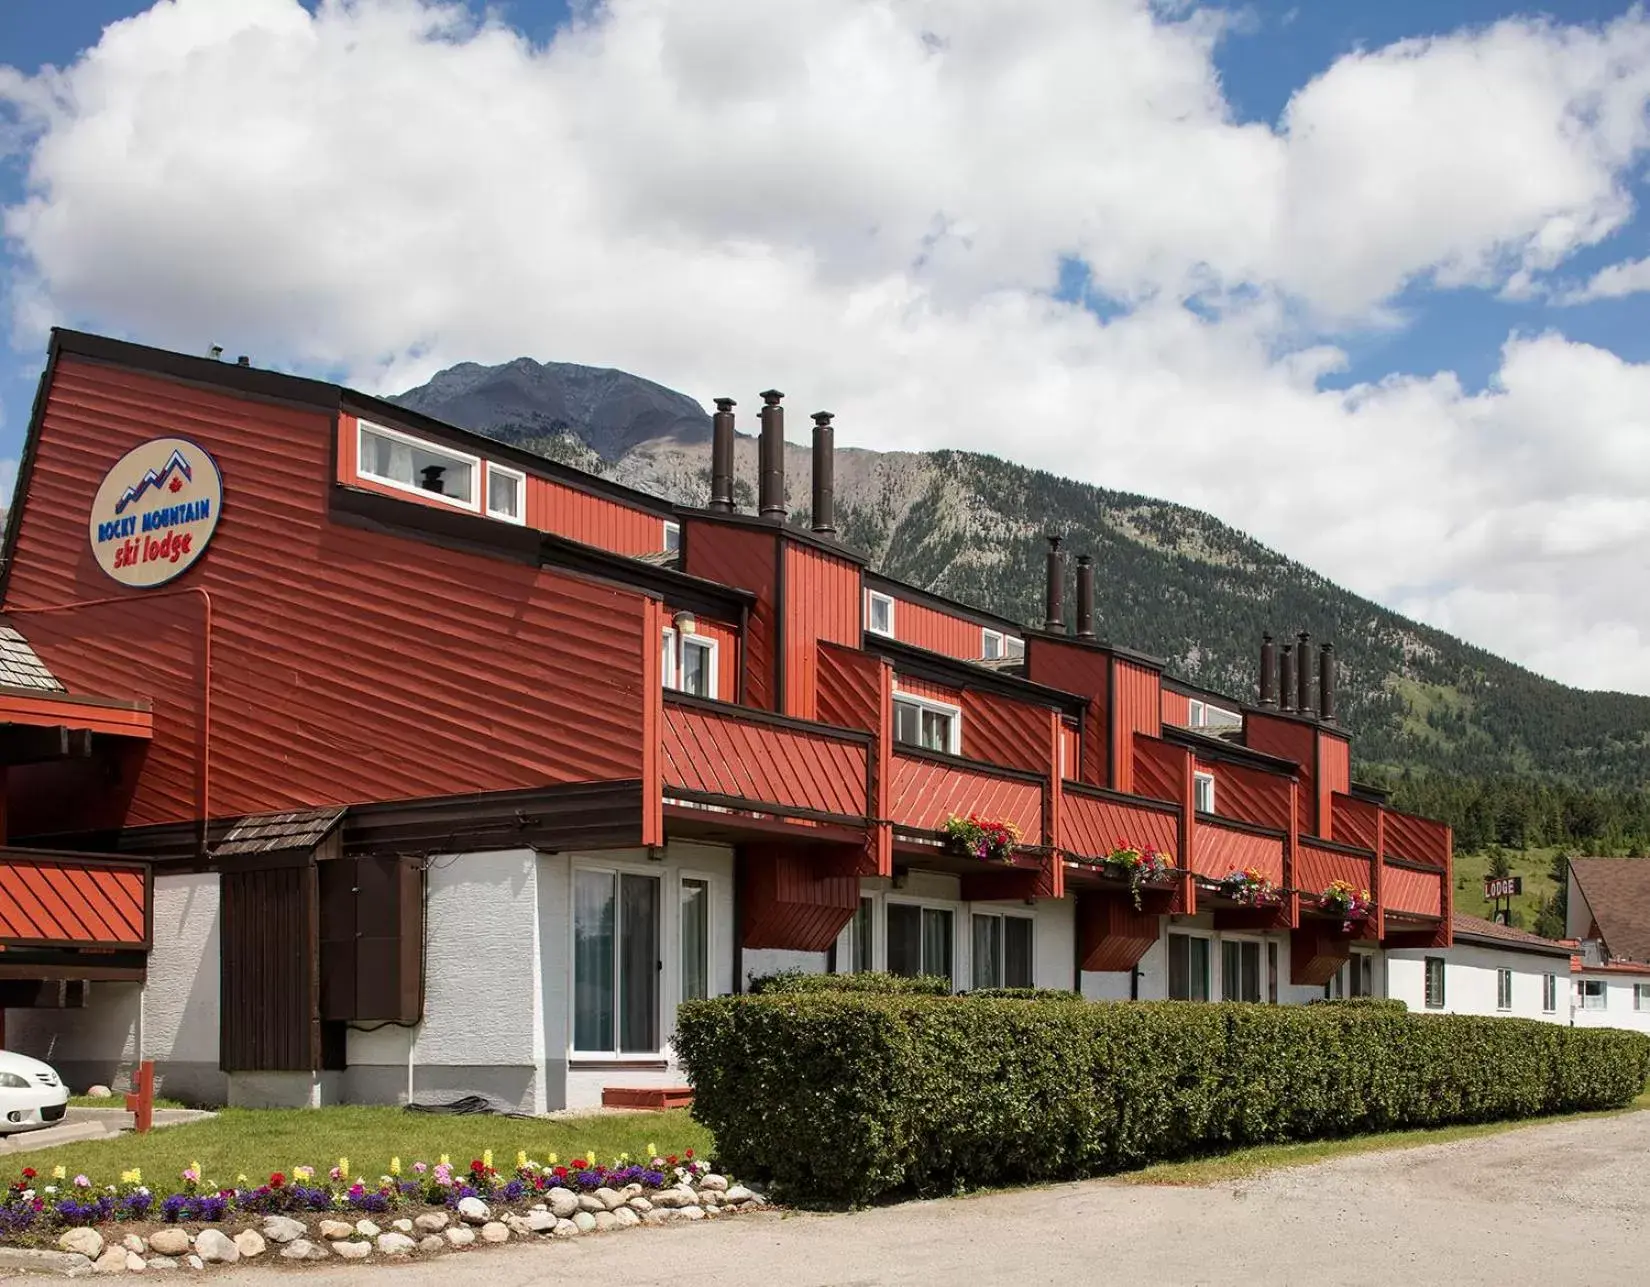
x=1567, y=1202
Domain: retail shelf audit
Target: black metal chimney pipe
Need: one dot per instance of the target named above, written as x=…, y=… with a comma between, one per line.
x=1054, y=617
x=771, y=480
x=824, y=474
x=1303, y=670
x=1326, y=683
x=721, y=457
x=1085, y=596
x=1268, y=671
x=1286, y=678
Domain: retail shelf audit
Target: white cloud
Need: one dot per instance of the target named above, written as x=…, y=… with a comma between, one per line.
x=867, y=203
x=1614, y=281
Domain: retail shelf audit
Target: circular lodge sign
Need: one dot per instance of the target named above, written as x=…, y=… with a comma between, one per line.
x=155, y=512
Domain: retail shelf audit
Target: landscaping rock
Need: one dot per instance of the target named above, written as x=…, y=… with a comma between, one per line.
x=303, y=1249
x=611, y=1199
x=473, y=1211
x=737, y=1195
x=133, y=1243
x=352, y=1250
x=641, y=1206
x=565, y=1229
x=625, y=1218
x=517, y=1224
x=99, y=1092
x=249, y=1242
x=563, y=1203
x=591, y=1203
x=432, y=1243
x=585, y=1221
x=161, y=1262
x=659, y=1215
x=135, y=1264
x=460, y=1236
x=431, y=1221
x=367, y=1229
x=112, y=1261
x=174, y=1242
x=605, y=1223
x=88, y=1242
x=402, y=1226
x=279, y=1229
x=195, y=1262
x=540, y=1222
x=632, y=1191
x=335, y=1230
x=672, y=1198
x=713, y=1182
x=396, y=1244
x=494, y=1231
x=214, y=1247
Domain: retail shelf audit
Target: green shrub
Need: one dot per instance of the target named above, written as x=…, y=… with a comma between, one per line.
x=1024, y=994
x=931, y=985
x=1364, y=1003
x=842, y=1097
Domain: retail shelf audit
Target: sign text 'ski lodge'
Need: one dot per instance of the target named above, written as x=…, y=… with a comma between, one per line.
x=155, y=512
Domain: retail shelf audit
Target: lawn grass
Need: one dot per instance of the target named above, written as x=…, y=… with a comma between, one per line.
x=254, y=1142
x=1241, y=1164
x=1534, y=865
x=118, y=1100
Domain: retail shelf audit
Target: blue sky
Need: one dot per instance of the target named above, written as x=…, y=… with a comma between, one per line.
x=1375, y=341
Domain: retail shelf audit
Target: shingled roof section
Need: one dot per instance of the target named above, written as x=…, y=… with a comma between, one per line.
x=1618, y=892
x=1478, y=930
x=20, y=667
x=267, y=833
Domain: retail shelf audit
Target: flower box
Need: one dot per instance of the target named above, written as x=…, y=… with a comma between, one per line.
x=1140, y=867
x=986, y=839
x=1344, y=899
x=1250, y=888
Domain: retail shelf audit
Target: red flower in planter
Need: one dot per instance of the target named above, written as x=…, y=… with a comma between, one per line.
x=276, y=1180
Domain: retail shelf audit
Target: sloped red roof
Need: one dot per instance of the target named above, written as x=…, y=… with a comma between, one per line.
x=1618, y=892
x=1477, y=929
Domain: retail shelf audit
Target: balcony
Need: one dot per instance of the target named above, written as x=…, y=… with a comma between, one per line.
x=927, y=787
x=74, y=917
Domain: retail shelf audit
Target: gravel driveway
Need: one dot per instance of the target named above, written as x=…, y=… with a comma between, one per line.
x=1562, y=1203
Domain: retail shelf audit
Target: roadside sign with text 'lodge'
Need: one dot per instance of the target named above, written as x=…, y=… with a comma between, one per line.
x=155, y=512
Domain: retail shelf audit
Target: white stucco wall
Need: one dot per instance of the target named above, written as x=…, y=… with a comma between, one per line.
x=1619, y=1010
x=1470, y=981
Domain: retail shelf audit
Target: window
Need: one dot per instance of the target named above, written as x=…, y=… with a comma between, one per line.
x=1188, y=968
x=673, y=537
x=1503, y=989
x=615, y=963
x=1361, y=975
x=1591, y=992
x=1549, y=993
x=933, y=726
x=1240, y=970
x=695, y=660
x=859, y=929
x=1002, y=951
x=1014, y=647
x=1194, y=713
x=879, y=613
x=388, y=456
x=1641, y=996
x=919, y=940
x=695, y=939
x=1200, y=714
x=1435, y=982
x=991, y=644
x=1203, y=792
x=505, y=489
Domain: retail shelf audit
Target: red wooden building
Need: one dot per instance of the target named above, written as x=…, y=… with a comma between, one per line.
x=351, y=755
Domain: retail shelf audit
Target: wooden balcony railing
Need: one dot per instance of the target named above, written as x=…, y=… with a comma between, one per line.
x=67, y=900
x=1220, y=848
x=1318, y=863
x=929, y=787
x=738, y=758
x=1093, y=822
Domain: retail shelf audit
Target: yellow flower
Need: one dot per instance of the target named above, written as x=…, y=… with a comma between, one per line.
x=521, y=1159
x=487, y=1158
x=395, y=1166
x=58, y=1173
x=196, y=1168
x=652, y=1151
x=445, y=1160
x=128, y=1177
x=137, y=1175
x=343, y=1167
x=624, y=1157
x=552, y=1160
x=240, y=1179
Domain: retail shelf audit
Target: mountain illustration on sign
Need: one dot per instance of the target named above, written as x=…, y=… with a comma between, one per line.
x=167, y=475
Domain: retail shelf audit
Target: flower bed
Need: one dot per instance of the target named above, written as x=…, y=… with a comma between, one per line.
x=336, y=1213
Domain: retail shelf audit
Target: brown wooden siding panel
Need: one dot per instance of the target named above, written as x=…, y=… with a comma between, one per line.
x=1316, y=868
x=1094, y=827
x=372, y=937
x=925, y=793
x=1404, y=890
x=269, y=1018
x=746, y=559
x=718, y=753
x=1218, y=851
x=822, y=596
x=347, y=665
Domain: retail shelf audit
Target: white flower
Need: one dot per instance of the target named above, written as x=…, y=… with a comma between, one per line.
x=51, y=1188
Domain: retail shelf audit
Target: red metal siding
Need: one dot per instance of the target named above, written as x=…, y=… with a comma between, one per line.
x=822, y=597
x=1112, y=935
x=719, y=753
x=1218, y=851
x=57, y=900
x=1250, y=795
x=1176, y=708
x=925, y=793
x=1137, y=708
x=1418, y=839
x=1071, y=749
x=1356, y=822
x=1403, y=890
x=788, y=905
x=1334, y=774
x=1295, y=741
x=347, y=664
x=1003, y=731
x=1158, y=769
x=738, y=556
x=1094, y=827
x=1315, y=868
x=850, y=688
x=1083, y=671
x=924, y=627
x=933, y=692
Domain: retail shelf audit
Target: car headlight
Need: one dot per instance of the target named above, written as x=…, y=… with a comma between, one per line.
x=13, y=1081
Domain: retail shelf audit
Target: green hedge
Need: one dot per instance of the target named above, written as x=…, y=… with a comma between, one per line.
x=931, y=985
x=846, y=1098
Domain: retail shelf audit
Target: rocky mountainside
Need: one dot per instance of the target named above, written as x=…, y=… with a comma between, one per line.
x=1170, y=580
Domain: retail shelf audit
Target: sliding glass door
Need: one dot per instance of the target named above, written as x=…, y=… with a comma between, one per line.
x=616, y=963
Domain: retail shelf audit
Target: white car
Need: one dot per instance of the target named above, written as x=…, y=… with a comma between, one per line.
x=32, y=1095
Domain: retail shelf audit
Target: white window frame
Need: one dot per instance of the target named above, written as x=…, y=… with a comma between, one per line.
x=954, y=741
x=1442, y=1002
x=1504, y=990
x=670, y=525
x=667, y=670
x=1641, y=996
x=670, y=985
x=1213, y=976
x=1198, y=779
x=986, y=636
x=675, y=995
x=477, y=474
x=1549, y=994
x=959, y=912
x=873, y=597
x=1603, y=993
x=521, y=493
x=1001, y=914
x=1194, y=713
